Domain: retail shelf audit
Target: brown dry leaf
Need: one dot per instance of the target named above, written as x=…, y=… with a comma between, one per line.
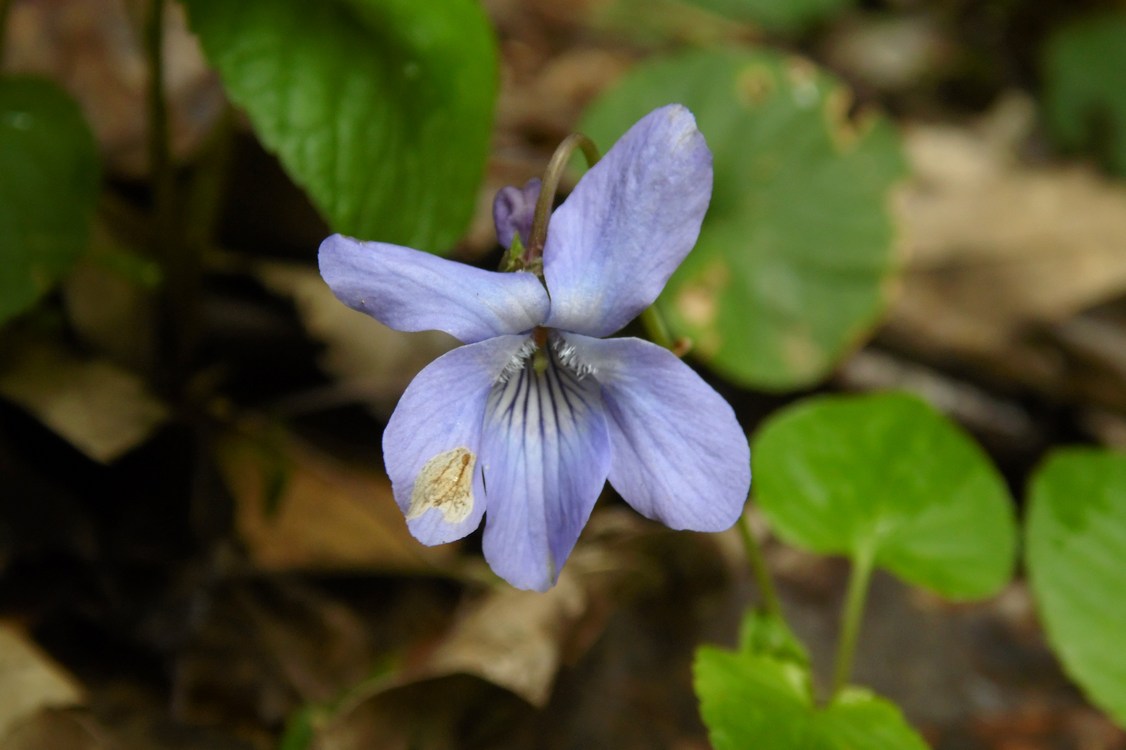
x=265, y=646
x=513, y=639
x=374, y=363
x=888, y=52
x=53, y=729
x=103, y=410
x=552, y=101
x=456, y=712
x=110, y=302
x=29, y=681
x=92, y=48
x=329, y=515
x=518, y=641
x=998, y=247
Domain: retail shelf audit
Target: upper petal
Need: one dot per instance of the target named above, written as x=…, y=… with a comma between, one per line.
x=628, y=224
x=546, y=454
x=680, y=456
x=410, y=290
x=432, y=443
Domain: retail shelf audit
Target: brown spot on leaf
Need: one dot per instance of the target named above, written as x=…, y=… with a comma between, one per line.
x=801, y=352
x=754, y=85
x=445, y=483
x=698, y=300
x=802, y=75
x=845, y=128
x=698, y=304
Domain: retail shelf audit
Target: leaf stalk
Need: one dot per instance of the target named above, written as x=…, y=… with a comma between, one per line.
x=855, y=599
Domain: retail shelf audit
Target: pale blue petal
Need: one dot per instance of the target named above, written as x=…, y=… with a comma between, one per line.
x=513, y=210
x=410, y=290
x=437, y=424
x=546, y=453
x=628, y=224
x=680, y=456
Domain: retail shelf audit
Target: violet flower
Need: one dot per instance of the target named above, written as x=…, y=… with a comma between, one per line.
x=527, y=421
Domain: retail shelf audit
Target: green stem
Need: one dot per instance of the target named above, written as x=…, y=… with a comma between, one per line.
x=5, y=6
x=538, y=236
x=201, y=198
x=855, y=597
x=769, y=594
x=656, y=327
x=160, y=159
x=176, y=322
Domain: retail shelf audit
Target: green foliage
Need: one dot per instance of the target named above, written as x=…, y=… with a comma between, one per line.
x=48, y=188
x=1076, y=540
x=885, y=477
x=784, y=16
x=300, y=729
x=380, y=109
x=765, y=703
x=795, y=257
x=1084, y=97
x=764, y=634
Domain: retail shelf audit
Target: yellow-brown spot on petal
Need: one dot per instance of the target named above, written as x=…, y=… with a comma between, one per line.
x=445, y=483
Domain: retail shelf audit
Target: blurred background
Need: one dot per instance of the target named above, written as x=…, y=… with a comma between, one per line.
x=198, y=546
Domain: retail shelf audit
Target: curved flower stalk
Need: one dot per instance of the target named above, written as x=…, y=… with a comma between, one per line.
x=525, y=423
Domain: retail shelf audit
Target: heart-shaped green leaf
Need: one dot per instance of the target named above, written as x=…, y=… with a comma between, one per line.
x=380, y=109
x=887, y=478
x=776, y=15
x=1076, y=556
x=751, y=701
x=795, y=257
x=48, y=187
x=1084, y=99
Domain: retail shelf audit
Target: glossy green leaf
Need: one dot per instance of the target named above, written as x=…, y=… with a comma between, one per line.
x=1076, y=557
x=750, y=701
x=380, y=109
x=776, y=15
x=48, y=188
x=887, y=477
x=1084, y=99
x=794, y=261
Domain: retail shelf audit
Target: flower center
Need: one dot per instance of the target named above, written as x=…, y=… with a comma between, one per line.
x=546, y=350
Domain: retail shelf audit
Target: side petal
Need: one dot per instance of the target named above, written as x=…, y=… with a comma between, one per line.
x=432, y=443
x=628, y=224
x=546, y=454
x=410, y=290
x=680, y=456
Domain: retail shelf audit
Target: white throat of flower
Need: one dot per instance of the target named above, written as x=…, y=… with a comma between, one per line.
x=558, y=352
